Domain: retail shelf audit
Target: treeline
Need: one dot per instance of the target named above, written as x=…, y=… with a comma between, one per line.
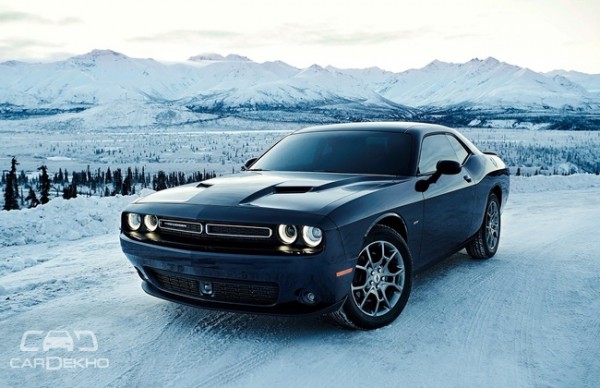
x=87, y=182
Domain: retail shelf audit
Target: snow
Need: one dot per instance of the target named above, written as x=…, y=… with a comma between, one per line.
x=62, y=220
x=530, y=316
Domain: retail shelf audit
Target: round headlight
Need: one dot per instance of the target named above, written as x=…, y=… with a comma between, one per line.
x=312, y=236
x=134, y=221
x=287, y=233
x=151, y=222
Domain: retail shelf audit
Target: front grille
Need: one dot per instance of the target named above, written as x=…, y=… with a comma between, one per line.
x=200, y=230
x=238, y=231
x=223, y=290
x=183, y=227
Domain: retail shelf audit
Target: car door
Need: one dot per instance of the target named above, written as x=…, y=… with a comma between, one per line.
x=447, y=210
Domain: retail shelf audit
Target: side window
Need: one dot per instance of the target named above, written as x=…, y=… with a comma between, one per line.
x=460, y=150
x=434, y=149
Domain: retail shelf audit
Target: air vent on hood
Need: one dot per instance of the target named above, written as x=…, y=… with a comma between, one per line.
x=292, y=189
x=204, y=185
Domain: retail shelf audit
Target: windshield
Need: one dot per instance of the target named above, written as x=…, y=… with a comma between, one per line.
x=351, y=152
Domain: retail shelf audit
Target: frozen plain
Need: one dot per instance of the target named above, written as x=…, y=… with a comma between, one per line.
x=529, y=317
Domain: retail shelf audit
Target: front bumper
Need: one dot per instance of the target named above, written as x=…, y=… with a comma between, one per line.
x=176, y=275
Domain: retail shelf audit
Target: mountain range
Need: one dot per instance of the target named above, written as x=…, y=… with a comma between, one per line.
x=117, y=90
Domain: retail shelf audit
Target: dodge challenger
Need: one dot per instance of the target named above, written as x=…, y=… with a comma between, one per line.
x=332, y=220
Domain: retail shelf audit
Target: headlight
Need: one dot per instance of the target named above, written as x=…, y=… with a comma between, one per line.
x=287, y=233
x=151, y=222
x=134, y=221
x=312, y=236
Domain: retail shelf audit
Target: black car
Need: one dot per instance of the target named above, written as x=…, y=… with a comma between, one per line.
x=332, y=219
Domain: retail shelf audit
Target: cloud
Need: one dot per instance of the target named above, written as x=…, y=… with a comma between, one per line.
x=324, y=36
x=18, y=48
x=19, y=43
x=16, y=17
x=468, y=35
x=186, y=35
x=332, y=38
x=284, y=34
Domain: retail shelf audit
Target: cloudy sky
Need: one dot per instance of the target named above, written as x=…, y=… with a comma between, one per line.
x=395, y=35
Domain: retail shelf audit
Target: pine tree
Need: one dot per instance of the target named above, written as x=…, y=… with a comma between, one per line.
x=117, y=181
x=70, y=191
x=44, y=185
x=11, y=193
x=32, y=198
x=160, y=181
x=13, y=179
x=10, y=201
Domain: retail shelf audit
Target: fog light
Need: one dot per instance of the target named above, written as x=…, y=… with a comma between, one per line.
x=206, y=288
x=308, y=297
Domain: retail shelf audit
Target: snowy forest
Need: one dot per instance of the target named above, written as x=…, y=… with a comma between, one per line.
x=22, y=190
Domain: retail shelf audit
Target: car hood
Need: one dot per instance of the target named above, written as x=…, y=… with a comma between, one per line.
x=300, y=191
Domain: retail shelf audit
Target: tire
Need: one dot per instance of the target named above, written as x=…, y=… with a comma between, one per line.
x=485, y=242
x=381, y=284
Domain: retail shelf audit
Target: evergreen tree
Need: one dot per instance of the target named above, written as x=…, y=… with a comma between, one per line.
x=117, y=181
x=13, y=179
x=32, y=198
x=44, y=185
x=70, y=191
x=11, y=193
x=160, y=181
x=10, y=201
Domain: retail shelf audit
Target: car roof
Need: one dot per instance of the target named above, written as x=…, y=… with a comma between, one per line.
x=404, y=127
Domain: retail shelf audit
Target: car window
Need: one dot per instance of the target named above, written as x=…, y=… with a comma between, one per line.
x=354, y=152
x=434, y=149
x=459, y=148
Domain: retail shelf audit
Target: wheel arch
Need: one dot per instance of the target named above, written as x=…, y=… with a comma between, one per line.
x=393, y=221
x=498, y=191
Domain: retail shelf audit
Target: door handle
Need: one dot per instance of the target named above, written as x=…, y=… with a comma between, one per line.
x=468, y=178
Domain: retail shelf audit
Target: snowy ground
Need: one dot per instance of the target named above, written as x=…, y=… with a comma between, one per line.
x=529, y=317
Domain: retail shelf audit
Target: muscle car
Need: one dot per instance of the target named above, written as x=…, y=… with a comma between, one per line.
x=332, y=220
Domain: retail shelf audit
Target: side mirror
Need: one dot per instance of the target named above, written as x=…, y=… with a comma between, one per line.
x=248, y=163
x=443, y=167
x=448, y=167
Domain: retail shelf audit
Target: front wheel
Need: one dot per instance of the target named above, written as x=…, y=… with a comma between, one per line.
x=485, y=243
x=381, y=284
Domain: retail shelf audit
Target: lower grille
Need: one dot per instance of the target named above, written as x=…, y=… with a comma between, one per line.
x=223, y=290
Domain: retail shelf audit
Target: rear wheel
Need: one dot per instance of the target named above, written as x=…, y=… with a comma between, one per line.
x=485, y=243
x=381, y=284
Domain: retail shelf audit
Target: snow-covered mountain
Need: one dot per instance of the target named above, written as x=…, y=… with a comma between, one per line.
x=233, y=84
x=590, y=81
x=484, y=83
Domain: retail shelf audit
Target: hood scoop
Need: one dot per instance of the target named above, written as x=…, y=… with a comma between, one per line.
x=292, y=189
x=204, y=185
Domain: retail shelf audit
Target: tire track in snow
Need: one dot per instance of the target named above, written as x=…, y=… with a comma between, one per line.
x=265, y=338
x=186, y=338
